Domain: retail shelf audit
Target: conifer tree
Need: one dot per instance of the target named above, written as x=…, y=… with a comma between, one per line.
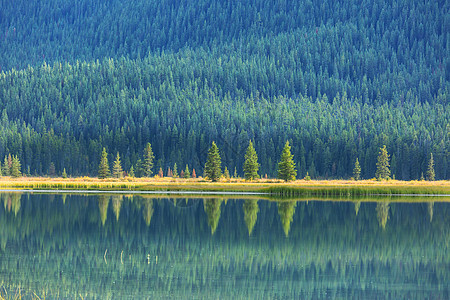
x=161, y=173
x=307, y=177
x=187, y=174
x=357, y=170
x=286, y=166
x=383, y=171
x=117, y=167
x=175, y=170
x=430, y=169
x=131, y=173
x=226, y=173
x=148, y=160
x=5, y=167
x=193, y=174
x=64, y=173
x=139, y=168
x=103, y=169
x=251, y=164
x=213, y=162
x=9, y=162
x=235, y=175
x=15, y=167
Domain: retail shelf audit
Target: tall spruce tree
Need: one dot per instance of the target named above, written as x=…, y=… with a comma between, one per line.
x=357, y=170
x=251, y=164
x=148, y=160
x=430, y=170
x=213, y=162
x=139, y=168
x=9, y=161
x=131, y=173
x=117, y=167
x=175, y=170
x=187, y=173
x=5, y=167
x=226, y=173
x=383, y=168
x=286, y=166
x=103, y=168
x=15, y=167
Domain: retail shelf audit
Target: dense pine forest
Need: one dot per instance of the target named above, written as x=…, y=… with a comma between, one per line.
x=338, y=79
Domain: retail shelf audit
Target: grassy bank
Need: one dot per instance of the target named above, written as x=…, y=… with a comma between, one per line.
x=273, y=187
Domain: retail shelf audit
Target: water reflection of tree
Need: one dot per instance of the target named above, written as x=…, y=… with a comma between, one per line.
x=357, y=206
x=103, y=202
x=11, y=201
x=212, y=209
x=251, y=210
x=147, y=210
x=286, y=211
x=430, y=210
x=117, y=205
x=382, y=213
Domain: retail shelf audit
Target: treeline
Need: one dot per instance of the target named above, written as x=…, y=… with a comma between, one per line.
x=335, y=80
x=65, y=114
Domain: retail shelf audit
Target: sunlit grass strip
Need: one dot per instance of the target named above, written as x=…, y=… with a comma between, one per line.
x=340, y=188
x=290, y=191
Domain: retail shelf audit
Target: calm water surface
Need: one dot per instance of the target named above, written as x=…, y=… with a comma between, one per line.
x=138, y=247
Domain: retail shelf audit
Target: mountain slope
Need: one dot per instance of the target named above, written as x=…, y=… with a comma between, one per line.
x=337, y=78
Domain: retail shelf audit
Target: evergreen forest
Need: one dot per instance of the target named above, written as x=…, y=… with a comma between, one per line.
x=337, y=79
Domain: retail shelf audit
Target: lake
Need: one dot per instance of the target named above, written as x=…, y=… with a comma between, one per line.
x=148, y=246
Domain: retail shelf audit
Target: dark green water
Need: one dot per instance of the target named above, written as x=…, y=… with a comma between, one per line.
x=118, y=247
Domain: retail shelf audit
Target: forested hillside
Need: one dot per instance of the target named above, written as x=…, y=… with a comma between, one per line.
x=337, y=78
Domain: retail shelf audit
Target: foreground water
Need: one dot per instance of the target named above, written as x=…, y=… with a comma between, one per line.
x=103, y=246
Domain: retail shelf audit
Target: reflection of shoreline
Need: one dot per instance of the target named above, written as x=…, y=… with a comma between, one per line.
x=406, y=198
x=133, y=192
x=325, y=239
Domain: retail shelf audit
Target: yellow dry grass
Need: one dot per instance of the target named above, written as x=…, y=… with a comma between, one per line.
x=199, y=184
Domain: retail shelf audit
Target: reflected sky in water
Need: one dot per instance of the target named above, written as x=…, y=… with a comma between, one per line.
x=102, y=246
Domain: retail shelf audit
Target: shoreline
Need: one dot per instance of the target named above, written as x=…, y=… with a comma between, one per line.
x=200, y=186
